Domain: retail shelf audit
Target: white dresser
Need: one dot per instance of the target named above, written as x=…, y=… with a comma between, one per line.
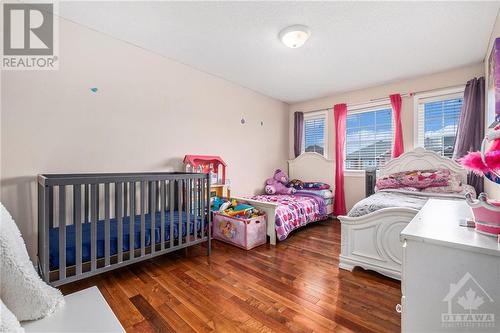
x=451, y=274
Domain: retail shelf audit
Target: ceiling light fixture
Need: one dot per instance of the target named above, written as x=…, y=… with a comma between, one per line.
x=295, y=36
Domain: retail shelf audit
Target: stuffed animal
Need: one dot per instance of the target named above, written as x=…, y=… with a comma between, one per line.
x=281, y=177
x=278, y=184
x=278, y=188
x=296, y=184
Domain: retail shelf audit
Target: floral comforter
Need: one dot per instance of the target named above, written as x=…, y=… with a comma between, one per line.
x=295, y=211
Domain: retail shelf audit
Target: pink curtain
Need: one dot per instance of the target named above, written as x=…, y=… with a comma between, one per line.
x=340, y=115
x=397, y=148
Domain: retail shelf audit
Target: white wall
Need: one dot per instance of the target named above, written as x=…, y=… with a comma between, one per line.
x=148, y=113
x=354, y=183
x=491, y=188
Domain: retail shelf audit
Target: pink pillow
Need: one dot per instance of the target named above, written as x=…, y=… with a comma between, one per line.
x=417, y=178
x=427, y=178
x=454, y=185
x=388, y=182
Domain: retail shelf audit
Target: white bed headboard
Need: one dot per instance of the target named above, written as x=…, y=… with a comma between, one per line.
x=312, y=167
x=421, y=159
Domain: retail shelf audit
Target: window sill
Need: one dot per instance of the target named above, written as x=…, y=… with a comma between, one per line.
x=354, y=173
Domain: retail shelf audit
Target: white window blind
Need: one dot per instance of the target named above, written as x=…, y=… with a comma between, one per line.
x=369, y=138
x=437, y=122
x=314, y=133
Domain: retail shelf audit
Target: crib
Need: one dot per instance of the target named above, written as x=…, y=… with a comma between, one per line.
x=92, y=223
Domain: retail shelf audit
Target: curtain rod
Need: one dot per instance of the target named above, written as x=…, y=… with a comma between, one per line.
x=380, y=99
x=361, y=103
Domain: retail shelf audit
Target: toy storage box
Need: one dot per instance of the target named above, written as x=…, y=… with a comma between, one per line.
x=244, y=233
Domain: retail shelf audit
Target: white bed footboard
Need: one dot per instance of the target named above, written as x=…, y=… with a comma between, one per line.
x=372, y=241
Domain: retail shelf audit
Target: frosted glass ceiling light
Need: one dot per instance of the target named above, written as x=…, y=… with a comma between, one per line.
x=295, y=36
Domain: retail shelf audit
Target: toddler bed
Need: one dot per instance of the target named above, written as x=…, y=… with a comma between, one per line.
x=92, y=223
x=286, y=213
x=370, y=233
x=294, y=211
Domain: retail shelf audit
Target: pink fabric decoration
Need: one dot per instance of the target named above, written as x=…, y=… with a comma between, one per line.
x=340, y=115
x=397, y=148
x=473, y=160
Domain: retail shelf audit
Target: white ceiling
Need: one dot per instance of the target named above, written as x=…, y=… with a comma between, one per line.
x=353, y=44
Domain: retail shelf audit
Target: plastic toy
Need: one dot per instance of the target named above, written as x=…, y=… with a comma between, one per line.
x=253, y=213
x=206, y=164
x=225, y=206
x=216, y=203
x=239, y=210
x=213, y=165
x=486, y=214
x=278, y=184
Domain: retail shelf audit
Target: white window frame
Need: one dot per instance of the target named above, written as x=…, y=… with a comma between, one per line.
x=432, y=96
x=326, y=137
x=361, y=108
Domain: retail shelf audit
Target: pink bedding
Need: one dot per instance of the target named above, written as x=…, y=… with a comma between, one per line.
x=294, y=211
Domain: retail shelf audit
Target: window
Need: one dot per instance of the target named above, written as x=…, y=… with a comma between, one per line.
x=315, y=132
x=369, y=138
x=437, y=120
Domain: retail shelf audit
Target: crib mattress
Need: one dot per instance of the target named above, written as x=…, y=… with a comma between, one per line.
x=100, y=245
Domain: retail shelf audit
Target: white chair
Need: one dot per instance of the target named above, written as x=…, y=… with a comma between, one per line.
x=26, y=297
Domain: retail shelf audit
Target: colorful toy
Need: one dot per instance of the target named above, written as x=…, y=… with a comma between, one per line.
x=249, y=214
x=213, y=165
x=237, y=209
x=278, y=184
x=225, y=206
x=234, y=209
x=206, y=164
x=216, y=203
x=486, y=163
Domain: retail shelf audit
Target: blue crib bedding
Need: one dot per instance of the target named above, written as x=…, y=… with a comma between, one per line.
x=86, y=232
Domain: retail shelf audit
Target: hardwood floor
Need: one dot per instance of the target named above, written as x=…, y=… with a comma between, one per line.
x=293, y=287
